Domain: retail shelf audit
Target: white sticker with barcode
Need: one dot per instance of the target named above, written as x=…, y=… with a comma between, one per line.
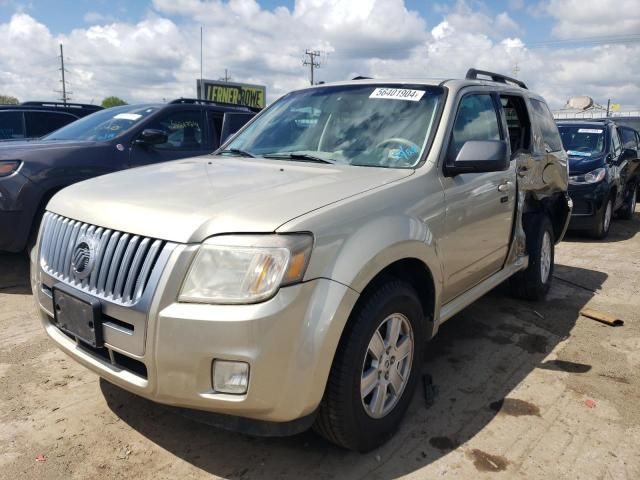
x=589, y=130
x=127, y=116
x=397, y=94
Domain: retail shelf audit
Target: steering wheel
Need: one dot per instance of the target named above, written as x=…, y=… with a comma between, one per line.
x=396, y=140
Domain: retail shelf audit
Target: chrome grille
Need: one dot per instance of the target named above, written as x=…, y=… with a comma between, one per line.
x=121, y=262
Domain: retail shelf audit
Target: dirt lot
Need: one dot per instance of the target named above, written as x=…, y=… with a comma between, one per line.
x=512, y=381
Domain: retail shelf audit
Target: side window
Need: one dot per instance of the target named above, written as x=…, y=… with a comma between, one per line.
x=518, y=123
x=547, y=124
x=215, y=128
x=40, y=123
x=183, y=129
x=615, y=142
x=11, y=125
x=476, y=119
x=638, y=140
x=628, y=138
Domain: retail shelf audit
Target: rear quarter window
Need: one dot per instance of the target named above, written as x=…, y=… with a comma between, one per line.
x=11, y=125
x=542, y=116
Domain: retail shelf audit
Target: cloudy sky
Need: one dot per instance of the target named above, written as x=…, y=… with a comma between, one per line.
x=149, y=50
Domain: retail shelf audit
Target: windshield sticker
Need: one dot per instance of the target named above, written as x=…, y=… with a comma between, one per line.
x=397, y=94
x=589, y=130
x=127, y=116
x=575, y=153
x=404, y=153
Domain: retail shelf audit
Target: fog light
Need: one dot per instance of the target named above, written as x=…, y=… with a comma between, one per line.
x=230, y=377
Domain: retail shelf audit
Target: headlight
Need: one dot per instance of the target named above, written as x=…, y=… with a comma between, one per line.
x=594, y=176
x=8, y=167
x=232, y=269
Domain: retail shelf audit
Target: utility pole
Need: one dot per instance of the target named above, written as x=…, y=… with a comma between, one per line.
x=608, y=106
x=226, y=77
x=516, y=69
x=312, y=54
x=65, y=98
x=200, y=92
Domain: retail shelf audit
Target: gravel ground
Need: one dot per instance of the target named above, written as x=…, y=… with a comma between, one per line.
x=526, y=390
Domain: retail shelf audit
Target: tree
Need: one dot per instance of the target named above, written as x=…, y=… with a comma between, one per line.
x=8, y=100
x=113, y=102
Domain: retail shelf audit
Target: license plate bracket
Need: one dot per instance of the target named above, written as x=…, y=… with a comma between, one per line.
x=78, y=314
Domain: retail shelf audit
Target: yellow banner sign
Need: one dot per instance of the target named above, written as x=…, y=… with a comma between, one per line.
x=235, y=93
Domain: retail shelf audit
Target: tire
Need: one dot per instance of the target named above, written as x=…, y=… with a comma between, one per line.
x=355, y=421
x=603, y=221
x=628, y=209
x=534, y=282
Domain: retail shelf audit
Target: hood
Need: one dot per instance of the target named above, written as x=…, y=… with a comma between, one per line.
x=189, y=200
x=13, y=150
x=583, y=164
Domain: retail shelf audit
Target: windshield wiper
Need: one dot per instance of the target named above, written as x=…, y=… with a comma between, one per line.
x=298, y=156
x=238, y=151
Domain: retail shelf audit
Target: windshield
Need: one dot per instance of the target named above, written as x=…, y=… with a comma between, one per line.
x=366, y=125
x=582, y=141
x=103, y=125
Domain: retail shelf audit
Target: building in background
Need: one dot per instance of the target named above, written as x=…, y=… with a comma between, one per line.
x=583, y=107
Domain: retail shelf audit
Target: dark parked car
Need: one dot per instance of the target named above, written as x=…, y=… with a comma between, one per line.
x=106, y=141
x=603, y=172
x=631, y=122
x=36, y=119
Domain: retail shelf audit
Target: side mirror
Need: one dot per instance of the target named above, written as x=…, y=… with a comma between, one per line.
x=478, y=156
x=151, y=136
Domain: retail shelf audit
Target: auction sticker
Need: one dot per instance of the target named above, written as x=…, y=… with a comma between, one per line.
x=589, y=130
x=397, y=94
x=128, y=116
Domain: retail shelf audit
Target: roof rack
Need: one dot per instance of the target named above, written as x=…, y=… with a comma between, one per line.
x=360, y=77
x=61, y=105
x=202, y=101
x=472, y=74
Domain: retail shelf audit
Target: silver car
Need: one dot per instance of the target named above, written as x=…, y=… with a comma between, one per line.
x=293, y=277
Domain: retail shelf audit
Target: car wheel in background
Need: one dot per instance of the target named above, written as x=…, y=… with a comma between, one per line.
x=603, y=222
x=375, y=369
x=534, y=282
x=629, y=207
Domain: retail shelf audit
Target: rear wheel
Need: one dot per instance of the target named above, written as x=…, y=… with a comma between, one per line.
x=534, y=282
x=375, y=369
x=603, y=222
x=629, y=207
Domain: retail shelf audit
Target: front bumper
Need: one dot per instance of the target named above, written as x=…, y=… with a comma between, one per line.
x=288, y=341
x=588, y=202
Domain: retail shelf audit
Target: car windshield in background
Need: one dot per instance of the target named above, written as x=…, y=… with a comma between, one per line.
x=580, y=141
x=366, y=125
x=103, y=125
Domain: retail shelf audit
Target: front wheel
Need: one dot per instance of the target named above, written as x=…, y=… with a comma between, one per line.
x=603, y=222
x=534, y=282
x=375, y=369
x=629, y=207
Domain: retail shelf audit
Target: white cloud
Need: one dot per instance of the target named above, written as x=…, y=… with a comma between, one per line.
x=96, y=17
x=158, y=57
x=588, y=18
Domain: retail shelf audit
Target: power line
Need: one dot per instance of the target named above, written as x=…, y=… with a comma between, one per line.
x=312, y=62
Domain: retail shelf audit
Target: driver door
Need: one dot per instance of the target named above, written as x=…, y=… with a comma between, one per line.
x=185, y=138
x=479, y=206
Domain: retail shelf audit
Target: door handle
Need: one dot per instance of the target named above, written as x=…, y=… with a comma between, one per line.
x=504, y=187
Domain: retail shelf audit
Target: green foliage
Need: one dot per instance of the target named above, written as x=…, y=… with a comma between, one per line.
x=113, y=102
x=8, y=100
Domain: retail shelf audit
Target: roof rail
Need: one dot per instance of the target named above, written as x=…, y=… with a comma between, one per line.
x=360, y=77
x=203, y=101
x=61, y=105
x=472, y=74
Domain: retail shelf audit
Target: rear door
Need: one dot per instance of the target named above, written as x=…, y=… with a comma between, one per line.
x=479, y=206
x=186, y=137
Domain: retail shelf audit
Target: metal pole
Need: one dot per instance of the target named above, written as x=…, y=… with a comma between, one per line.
x=64, y=85
x=608, y=106
x=200, y=92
